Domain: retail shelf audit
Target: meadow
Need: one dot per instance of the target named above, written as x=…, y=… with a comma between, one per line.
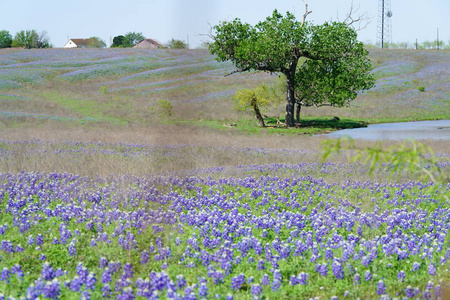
x=118, y=179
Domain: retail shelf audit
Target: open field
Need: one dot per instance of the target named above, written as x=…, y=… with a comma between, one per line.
x=105, y=194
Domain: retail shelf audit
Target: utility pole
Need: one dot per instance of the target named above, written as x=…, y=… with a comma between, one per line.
x=437, y=40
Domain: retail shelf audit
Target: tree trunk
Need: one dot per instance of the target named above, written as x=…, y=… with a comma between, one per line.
x=290, y=101
x=299, y=107
x=257, y=113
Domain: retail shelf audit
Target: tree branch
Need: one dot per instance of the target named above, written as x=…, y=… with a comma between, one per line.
x=362, y=20
x=307, y=12
x=258, y=68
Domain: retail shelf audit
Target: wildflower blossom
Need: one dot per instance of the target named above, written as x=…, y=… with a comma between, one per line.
x=52, y=289
x=381, y=287
x=401, y=275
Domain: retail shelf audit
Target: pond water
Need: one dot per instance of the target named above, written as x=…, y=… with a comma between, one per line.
x=421, y=130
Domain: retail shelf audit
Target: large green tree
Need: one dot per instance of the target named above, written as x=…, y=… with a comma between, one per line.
x=117, y=41
x=96, y=42
x=132, y=38
x=26, y=38
x=283, y=44
x=31, y=39
x=5, y=39
x=176, y=44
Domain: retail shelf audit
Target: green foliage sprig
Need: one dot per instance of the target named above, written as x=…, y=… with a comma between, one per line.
x=415, y=158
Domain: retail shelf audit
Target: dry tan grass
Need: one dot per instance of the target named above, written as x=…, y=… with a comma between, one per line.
x=208, y=149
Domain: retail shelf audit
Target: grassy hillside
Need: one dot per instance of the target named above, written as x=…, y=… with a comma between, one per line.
x=129, y=87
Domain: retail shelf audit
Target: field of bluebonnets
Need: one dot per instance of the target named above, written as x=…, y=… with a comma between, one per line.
x=104, y=194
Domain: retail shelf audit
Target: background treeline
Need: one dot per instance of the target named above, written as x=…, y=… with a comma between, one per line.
x=33, y=39
x=425, y=45
x=25, y=38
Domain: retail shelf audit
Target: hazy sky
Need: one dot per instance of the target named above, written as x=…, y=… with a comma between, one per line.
x=183, y=19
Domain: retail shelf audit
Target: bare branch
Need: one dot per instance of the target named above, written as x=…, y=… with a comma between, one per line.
x=234, y=72
x=210, y=33
x=263, y=68
x=359, y=22
x=307, y=12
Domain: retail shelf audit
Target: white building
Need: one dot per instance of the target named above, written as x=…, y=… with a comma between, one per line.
x=77, y=43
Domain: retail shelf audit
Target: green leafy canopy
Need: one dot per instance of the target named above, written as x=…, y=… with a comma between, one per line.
x=323, y=64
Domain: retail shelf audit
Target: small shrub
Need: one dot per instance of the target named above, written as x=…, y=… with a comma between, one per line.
x=165, y=108
x=421, y=89
x=104, y=90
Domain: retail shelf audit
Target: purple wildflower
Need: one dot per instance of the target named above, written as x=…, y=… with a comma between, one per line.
x=256, y=290
x=322, y=269
x=203, y=290
x=229, y=297
x=103, y=262
x=218, y=276
x=82, y=272
x=48, y=273
x=7, y=246
x=277, y=275
x=76, y=283
x=276, y=284
x=381, y=287
x=260, y=265
x=144, y=257
x=303, y=278
x=401, y=275
x=431, y=269
x=338, y=271
x=52, y=289
x=368, y=276
x=106, y=290
x=39, y=239
x=410, y=292
x=5, y=275
x=127, y=294
x=181, y=282
x=293, y=280
x=17, y=269
x=90, y=281
x=265, y=280
x=72, y=249
x=106, y=275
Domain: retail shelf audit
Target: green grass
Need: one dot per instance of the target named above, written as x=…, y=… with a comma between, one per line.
x=307, y=125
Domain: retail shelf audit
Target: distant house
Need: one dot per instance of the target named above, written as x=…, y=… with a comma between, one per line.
x=77, y=43
x=148, y=44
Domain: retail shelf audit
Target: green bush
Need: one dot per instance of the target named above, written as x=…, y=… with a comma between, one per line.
x=165, y=108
